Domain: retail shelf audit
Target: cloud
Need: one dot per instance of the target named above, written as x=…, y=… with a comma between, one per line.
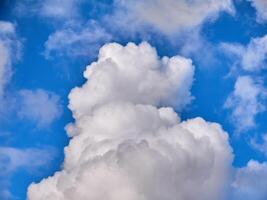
x=7, y=28
x=127, y=144
x=9, y=52
x=262, y=146
x=13, y=159
x=76, y=40
x=39, y=106
x=53, y=9
x=249, y=91
x=245, y=102
x=167, y=16
x=261, y=9
x=134, y=73
x=252, y=57
x=74, y=35
x=77, y=35
x=58, y=9
x=251, y=181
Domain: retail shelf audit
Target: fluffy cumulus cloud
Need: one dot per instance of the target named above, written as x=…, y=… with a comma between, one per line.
x=261, y=9
x=245, y=102
x=39, y=106
x=8, y=52
x=128, y=144
x=251, y=181
x=168, y=16
x=136, y=74
x=76, y=40
x=251, y=57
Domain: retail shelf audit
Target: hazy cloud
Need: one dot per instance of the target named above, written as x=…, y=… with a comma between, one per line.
x=167, y=16
x=54, y=9
x=14, y=159
x=39, y=106
x=251, y=181
x=9, y=52
x=252, y=57
x=261, y=9
x=76, y=40
x=245, y=102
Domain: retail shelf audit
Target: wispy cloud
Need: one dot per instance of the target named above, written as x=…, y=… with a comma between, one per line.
x=9, y=52
x=250, y=182
x=261, y=9
x=252, y=57
x=76, y=39
x=245, y=102
x=39, y=106
x=14, y=159
x=166, y=16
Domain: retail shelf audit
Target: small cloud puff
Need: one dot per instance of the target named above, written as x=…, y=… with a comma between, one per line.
x=245, y=102
x=261, y=9
x=250, y=182
x=39, y=106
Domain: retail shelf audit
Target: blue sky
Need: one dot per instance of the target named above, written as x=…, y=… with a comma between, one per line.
x=45, y=47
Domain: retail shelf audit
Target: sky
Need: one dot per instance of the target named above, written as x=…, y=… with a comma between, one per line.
x=133, y=99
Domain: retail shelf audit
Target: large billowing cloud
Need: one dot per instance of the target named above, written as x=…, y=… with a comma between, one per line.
x=168, y=16
x=127, y=144
x=134, y=74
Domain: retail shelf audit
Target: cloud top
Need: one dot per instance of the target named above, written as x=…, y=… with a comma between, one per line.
x=135, y=74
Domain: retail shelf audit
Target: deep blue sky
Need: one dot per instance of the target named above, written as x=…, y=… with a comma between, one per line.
x=63, y=71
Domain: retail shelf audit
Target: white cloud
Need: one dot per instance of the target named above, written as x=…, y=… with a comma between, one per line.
x=54, y=9
x=255, y=54
x=251, y=181
x=9, y=51
x=251, y=57
x=134, y=73
x=261, y=9
x=30, y=160
x=262, y=146
x=39, y=106
x=245, y=102
x=76, y=40
x=7, y=27
x=4, y=66
x=59, y=9
x=13, y=158
x=167, y=16
x=127, y=145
